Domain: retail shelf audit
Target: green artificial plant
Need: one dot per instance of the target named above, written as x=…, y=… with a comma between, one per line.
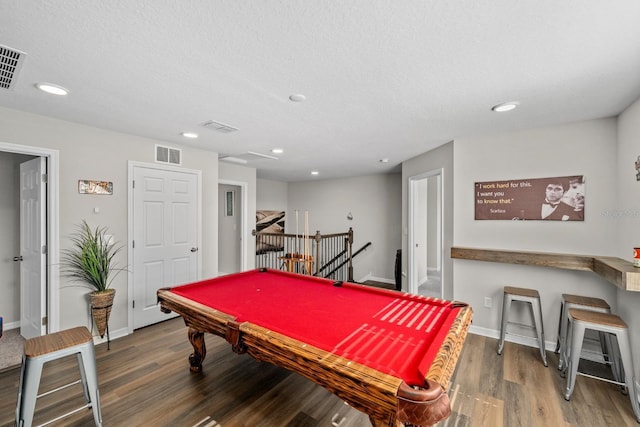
x=91, y=258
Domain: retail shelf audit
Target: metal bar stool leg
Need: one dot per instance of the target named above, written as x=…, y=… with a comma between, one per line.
x=506, y=307
x=561, y=329
x=627, y=366
x=83, y=377
x=537, y=318
x=576, y=332
x=87, y=356
x=29, y=392
x=562, y=336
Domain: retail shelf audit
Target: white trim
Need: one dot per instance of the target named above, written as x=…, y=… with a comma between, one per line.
x=244, y=227
x=11, y=325
x=131, y=165
x=118, y=333
x=53, y=225
x=376, y=279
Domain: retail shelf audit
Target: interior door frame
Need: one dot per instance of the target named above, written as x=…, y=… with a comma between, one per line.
x=244, y=239
x=412, y=280
x=53, y=227
x=131, y=166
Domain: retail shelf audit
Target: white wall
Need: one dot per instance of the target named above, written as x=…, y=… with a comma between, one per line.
x=271, y=195
x=585, y=148
x=627, y=217
x=91, y=153
x=375, y=203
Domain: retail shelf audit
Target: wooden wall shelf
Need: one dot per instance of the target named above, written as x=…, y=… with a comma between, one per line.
x=617, y=271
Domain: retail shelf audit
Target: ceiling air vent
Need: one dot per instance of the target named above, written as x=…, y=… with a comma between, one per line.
x=168, y=155
x=219, y=127
x=10, y=63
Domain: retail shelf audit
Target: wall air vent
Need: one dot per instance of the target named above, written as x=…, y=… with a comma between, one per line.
x=218, y=127
x=10, y=64
x=168, y=155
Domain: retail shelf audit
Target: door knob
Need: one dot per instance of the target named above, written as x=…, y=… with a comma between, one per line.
x=17, y=258
x=194, y=249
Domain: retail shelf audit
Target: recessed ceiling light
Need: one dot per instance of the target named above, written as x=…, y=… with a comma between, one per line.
x=277, y=151
x=52, y=89
x=505, y=106
x=297, y=97
x=385, y=160
x=189, y=135
x=315, y=173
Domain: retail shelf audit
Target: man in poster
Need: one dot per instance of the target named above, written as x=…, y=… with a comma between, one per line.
x=554, y=207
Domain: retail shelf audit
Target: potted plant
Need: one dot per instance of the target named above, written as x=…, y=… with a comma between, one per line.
x=91, y=261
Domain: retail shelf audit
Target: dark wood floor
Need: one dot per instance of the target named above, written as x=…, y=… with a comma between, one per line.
x=145, y=381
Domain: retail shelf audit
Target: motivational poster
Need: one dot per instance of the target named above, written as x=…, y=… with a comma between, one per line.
x=549, y=199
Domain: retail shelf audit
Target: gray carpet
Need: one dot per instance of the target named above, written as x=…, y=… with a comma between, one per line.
x=11, y=347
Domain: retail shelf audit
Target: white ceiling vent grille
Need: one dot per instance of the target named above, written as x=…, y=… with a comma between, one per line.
x=10, y=63
x=244, y=158
x=168, y=155
x=218, y=127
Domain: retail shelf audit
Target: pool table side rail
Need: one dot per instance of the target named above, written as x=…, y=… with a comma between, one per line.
x=195, y=315
x=444, y=365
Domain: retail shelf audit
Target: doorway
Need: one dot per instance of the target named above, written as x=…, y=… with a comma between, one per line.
x=48, y=314
x=425, y=234
x=232, y=226
x=229, y=235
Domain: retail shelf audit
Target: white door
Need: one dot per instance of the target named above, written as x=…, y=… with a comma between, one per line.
x=33, y=248
x=165, y=237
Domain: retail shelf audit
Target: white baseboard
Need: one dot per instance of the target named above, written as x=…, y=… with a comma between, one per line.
x=11, y=325
x=376, y=279
x=118, y=333
x=587, y=353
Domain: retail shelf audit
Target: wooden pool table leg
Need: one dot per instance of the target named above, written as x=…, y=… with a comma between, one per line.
x=375, y=422
x=196, y=338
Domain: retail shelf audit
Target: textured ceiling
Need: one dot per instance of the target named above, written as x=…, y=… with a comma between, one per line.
x=383, y=79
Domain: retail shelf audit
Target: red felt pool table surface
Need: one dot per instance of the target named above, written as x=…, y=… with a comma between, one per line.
x=393, y=332
x=387, y=353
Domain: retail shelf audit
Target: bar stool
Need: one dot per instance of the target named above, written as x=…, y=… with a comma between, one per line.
x=532, y=297
x=40, y=350
x=583, y=303
x=581, y=320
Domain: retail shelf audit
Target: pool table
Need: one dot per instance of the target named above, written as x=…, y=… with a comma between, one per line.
x=387, y=353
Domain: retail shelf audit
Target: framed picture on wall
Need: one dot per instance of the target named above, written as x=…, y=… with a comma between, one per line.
x=90, y=186
x=228, y=203
x=554, y=198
